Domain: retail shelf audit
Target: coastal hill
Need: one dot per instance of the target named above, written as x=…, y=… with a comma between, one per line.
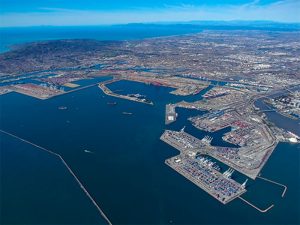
x=49, y=55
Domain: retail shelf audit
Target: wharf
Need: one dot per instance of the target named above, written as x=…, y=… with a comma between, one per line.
x=170, y=115
x=220, y=186
x=207, y=178
x=183, y=141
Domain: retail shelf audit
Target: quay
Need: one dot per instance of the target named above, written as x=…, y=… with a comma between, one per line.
x=183, y=141
x=222, y=188
x=39, y=92
x=201, y=172
x=193, y=164
x=68, y=168
x=81, y=88
x=171, y=115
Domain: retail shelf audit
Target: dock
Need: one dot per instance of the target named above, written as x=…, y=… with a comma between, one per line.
x=207, y=178
x=170, y=115
x=200, y=171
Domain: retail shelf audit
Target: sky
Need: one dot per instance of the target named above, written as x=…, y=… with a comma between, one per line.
x=106, y=12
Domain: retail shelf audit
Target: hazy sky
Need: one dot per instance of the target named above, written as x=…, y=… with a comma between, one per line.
x=97, y=12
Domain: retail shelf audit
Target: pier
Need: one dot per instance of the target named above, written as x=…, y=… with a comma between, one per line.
x=39, y=94
x=69, y=169
x=222, y=188
x=200, y=172
x=81, y=88
x=170, y=115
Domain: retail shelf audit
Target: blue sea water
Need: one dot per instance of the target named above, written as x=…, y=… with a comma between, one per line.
x=35, y=188
x=125, y=172
x=13, y=36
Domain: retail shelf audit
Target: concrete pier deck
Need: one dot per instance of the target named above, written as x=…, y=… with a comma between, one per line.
x=207, y=178
x=200, y=172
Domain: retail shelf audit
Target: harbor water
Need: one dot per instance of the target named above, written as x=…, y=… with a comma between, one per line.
x=124, y=167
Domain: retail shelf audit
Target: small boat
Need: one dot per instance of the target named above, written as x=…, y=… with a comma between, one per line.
x=127, y=113
x=62, y=107
x=87, y=151
x=111, y=103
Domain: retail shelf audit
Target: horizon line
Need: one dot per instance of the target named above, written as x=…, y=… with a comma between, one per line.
x=190, y=22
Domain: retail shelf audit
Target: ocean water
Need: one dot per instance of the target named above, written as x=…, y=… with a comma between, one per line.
x=35, y=188
x=126, y=172
x=18, y=35
x=13, y=36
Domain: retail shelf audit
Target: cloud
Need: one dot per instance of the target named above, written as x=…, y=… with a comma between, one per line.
x=250, y=4
x=283, y=11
